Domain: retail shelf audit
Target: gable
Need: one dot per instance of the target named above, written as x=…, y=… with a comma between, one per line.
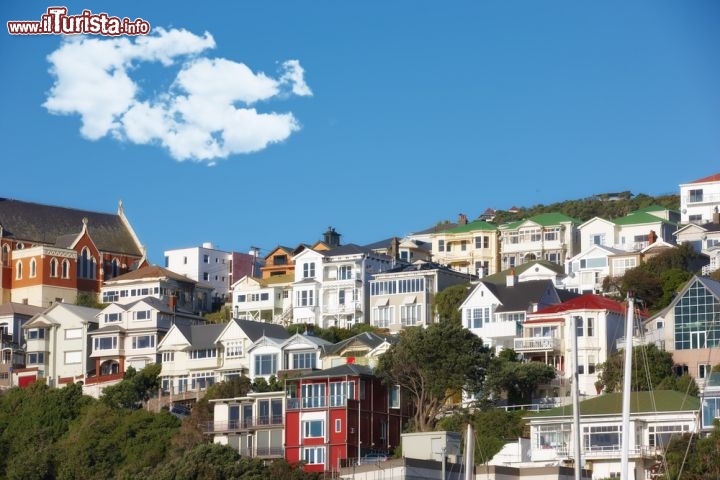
x=174, y=339
x=480, y=295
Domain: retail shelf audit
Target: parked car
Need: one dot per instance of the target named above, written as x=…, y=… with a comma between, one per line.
x=372, y=458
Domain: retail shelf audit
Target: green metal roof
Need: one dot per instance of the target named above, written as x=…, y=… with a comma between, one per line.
x=544, y=220
x=611, y=404
x=473, y=226
x=640, y=218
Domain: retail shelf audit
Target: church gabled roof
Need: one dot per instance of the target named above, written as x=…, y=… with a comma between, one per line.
x=47, y=224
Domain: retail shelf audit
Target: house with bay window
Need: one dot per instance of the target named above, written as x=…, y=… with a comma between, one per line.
x=303, y=352
x=128, y=335
x=403, y=296
x=549, y=236
x=471, y=248
x=330, y=287
x=337, y=415
x=196, y=356
x=632, y=232
x=190, y=356
x=56, y=344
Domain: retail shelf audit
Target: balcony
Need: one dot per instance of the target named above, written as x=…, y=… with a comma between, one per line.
x=536, y=344
x=246, y=424
x=264, y=452
x=610, y=451
x=696, y=199
x=655, y=336
x=306, y=403
x=347, y=309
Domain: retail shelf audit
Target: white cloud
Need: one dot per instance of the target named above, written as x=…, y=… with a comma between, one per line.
x=208, y=113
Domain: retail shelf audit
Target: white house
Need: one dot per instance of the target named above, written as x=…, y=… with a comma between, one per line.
x=548, y=236
x=173, y=289
x=655, y=418
x=700, y=199
x=194, y=357
x=588, y=269
x=128, y=335
x=633, y=232
x=546, y=337
x=263, y=299
x=57, y=343
x=330, y=287
x=496, y=313
x=704, y=238
x=303, y=352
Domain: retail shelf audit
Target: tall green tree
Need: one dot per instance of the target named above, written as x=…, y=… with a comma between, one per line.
x=434, y=365
x=650, y=366
x=136, y=387
x=447, y=301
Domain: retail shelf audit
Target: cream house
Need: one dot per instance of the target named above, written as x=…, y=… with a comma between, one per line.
x=56, y=342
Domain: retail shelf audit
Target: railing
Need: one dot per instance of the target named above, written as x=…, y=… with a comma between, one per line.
x=316, y=402
x=536, y=344
x=104, y=378
x=244, y=424
x=704, y=198
x=651, y=336
x=349, y=307
x=263, y=452
x=608, y=452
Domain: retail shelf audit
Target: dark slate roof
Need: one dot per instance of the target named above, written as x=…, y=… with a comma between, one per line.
x=422, y=266
x=349, y=249
x=202, y=336
x=380, y=244
x=45, y=224
x=256, y=330
x=371, y=339
x=440, y=227
x=520, y=296
x=340, y=370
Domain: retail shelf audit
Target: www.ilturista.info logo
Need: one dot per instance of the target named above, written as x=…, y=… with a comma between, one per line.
x=57, y=22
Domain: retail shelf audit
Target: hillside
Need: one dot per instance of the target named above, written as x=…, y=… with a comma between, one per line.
x=587, y=208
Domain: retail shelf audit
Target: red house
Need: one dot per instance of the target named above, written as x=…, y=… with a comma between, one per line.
x=337, y=415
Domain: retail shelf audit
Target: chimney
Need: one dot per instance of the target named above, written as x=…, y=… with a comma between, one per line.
x=652, y=237
x=331, y=238
x=462, y=219
x=394, y=250
x=715, y=217
x=511, y=279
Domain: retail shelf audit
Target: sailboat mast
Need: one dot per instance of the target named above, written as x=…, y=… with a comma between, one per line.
x=627, y=381
x=577, y=445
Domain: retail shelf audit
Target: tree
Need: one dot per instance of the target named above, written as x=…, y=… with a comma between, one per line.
x=518, y=380
x=650, y=366
x=136, y=387
x=434, y=365
x=447, y=301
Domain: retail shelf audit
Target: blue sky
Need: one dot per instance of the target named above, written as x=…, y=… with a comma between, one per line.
x=263, y=123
